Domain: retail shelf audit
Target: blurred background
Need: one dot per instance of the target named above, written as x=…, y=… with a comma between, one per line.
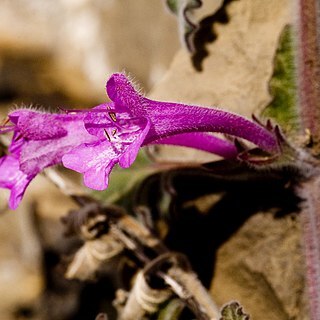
x=60, y=53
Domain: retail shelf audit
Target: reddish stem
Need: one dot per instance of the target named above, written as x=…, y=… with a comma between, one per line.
x=311, y=225
x=309, y=96
x=309, y=66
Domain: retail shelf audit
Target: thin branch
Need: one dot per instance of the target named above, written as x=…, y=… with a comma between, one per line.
x=309, y=96
x=309, y=67
x=310, y=191
x=185, y=285
x=68, y=187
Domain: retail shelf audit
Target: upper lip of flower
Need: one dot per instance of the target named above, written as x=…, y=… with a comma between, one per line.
x=93, y=141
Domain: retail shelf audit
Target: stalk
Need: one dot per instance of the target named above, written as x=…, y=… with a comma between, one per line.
x=309, y=68
x=309, y=101
x=309, y=190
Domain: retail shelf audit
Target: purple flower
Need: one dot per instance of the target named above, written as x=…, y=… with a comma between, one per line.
x=131, y=121
x=39, y=141
x=93, y=141
x=14, y=179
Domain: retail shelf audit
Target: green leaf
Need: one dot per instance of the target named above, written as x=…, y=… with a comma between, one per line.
x=173, y=5
x=172, y=310
x=233, y=311
x=283, y=87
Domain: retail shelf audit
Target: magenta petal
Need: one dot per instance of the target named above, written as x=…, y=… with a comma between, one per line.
x=93, y=141
x=99, y=118
x=168, y=119
x=14, y=179
x=122, y=93
x=94, y=161
x=103, y=118
x=39, y=141
x=90, y=177
x=37, y=155
x=36, y=125
x=130, y=154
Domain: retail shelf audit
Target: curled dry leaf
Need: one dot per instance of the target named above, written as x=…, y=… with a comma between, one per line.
x=143, y=299
x=92, y=256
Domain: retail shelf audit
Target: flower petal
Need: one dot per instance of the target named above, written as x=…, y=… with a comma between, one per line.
x=36, y=125
x=94, y=161
x=39, y=154
x=14, y=179
x=129, y=156
x=97, y=160
x=123, y=94
x=168, y=119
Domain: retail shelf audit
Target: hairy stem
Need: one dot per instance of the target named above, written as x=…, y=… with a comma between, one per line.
x=309, y=101
x=310, y=192
x=309, y=67
x=170, y=119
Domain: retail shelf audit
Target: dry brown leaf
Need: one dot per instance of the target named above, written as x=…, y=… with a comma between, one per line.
x=261, y=267
x=236, y=73
x=91, y=256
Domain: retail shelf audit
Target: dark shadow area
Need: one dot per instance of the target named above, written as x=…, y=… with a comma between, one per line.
x=243, y=192
x=206, y=34
x=72, y=299
x=95, y=298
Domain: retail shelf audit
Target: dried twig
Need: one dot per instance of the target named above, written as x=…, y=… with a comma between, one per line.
x=106, y=231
